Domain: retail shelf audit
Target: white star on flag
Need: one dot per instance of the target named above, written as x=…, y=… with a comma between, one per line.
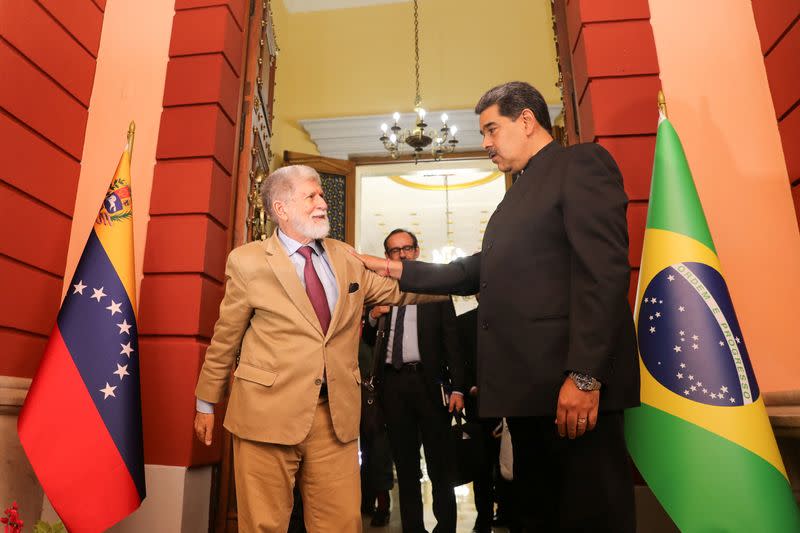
x=705, y=391
x=723, y=388
x=721, y=343
x=695, y=346
x=651, y=317
x=114, y=307
x=699, y=383
x=737, y=340
x=693, y=388
x=126, y=349
x=122, y=371
x=681, y=333
x=695, y=338
x=683, y=365
x=732, y=400
x=658, y=315
x=108, y=391
x=686, y=392
x=98, y=293
x=79, y=288
x=652, y=329
x=691, y=377
x=652, y=300
x=671, y=277
x=124, y=327
x=681, y=309
x=679, y=375
x=677, y=349
x=713, y=395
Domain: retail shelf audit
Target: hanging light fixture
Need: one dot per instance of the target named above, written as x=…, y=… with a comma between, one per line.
x=448, y=252
x=419, y=137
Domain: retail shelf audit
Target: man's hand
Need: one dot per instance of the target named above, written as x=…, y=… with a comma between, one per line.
x=379, y=310
x=577, y=410
x=203, y=427
x=456, y=402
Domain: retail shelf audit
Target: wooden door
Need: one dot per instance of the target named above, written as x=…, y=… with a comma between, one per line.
x=339, y=185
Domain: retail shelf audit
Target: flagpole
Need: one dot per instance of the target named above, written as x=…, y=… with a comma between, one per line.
x=662, y=103
x=131, y=135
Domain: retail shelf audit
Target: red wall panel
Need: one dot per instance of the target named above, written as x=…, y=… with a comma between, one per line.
x=179, y=304
x=196, y=131
x=634, y=155
x=772, y=19
x=204, y=252
x=580, y=12
x=83, y=19
x=236, y=7
x=47, y=57
x=72, y=66
x=783, y=71
x=186, y=186
x=202, y=79
x=207, y=31
x=619, y=106
x=25, y=229
x=789, y=129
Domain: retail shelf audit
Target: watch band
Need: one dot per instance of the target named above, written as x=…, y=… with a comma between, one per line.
x=584, y=382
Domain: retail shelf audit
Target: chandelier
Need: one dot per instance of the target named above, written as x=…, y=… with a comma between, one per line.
x=448, y=252
x=419, y=137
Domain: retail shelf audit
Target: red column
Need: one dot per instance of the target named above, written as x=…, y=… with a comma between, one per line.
x=188, y=236
x=778, y=24
x=48, y=55
x=615, y=70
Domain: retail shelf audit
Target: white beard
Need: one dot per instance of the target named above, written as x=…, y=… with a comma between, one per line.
x=310, y=228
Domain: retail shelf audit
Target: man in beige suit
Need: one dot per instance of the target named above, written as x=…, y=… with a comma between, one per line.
x=294, y=303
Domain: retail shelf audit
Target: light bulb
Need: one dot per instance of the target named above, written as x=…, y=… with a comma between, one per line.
x=384, y=127
x=396, y=116
x=444, y=118
x=393, y=138
x=422, y=113
x=453, y=130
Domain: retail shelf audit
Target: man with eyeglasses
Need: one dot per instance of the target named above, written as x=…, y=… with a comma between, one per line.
x=422, y=379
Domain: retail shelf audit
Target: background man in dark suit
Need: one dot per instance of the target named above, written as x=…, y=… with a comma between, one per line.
x=556, y=339
x=422, y=356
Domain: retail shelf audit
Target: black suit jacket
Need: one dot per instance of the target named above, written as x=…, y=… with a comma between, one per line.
x=553, y=274
x=439, y=348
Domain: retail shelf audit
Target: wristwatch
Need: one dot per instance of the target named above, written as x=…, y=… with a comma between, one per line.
x=584, y=382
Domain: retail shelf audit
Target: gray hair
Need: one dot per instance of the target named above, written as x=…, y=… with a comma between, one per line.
x=280, y=185
x=514, y=97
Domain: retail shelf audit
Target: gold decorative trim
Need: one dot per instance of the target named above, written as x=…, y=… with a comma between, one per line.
x=406, y=183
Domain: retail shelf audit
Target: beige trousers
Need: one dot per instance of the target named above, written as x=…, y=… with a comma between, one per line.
x=327, y=473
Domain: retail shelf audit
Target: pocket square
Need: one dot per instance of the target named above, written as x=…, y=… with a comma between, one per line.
x=353, y=288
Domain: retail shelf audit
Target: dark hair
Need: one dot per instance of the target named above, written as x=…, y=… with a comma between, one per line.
x=395, y=232
x=512, y=98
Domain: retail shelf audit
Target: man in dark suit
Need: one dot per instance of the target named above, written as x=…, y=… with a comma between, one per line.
x=556, y=344
x=422, y=362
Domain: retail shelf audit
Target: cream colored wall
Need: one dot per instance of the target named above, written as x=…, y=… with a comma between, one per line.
x=720, y=104
x=360, y=61
x=128, y=85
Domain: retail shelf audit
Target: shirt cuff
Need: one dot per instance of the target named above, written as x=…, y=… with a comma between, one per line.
x=204, y=407
x=458, y=392
x=372, y=321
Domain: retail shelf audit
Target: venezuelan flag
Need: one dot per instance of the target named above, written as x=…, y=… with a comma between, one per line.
x=701, y=438
x=81, y=424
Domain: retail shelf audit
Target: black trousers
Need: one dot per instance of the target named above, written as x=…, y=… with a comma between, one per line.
x=412, y=414
x=376, y=464
x=572, y=485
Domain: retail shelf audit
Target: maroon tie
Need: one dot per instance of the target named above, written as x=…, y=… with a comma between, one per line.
x=314, y=289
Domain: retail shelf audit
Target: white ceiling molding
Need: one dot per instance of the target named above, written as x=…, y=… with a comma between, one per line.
x=356, y=136
x=304, y=6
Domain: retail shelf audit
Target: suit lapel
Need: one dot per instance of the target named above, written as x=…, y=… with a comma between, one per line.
x=339, y=266
x=286, y=275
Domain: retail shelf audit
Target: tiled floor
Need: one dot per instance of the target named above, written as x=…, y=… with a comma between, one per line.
x=464, y=502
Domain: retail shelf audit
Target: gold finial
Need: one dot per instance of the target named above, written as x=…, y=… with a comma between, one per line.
x=131, y=134
x=662, y=103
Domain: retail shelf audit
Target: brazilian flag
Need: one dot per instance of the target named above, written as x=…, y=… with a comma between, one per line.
x=701, y=438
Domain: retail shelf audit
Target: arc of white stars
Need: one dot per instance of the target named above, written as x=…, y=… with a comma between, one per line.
x=79, y=288
x=122, y=371
x=124, y=327
x=114, y=307
x=108, y=391
x=99, y=294
x=126, y=349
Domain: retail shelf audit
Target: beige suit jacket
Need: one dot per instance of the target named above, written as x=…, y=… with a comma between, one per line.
x=284, y=352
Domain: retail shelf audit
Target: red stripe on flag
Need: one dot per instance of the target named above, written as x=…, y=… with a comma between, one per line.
x=70, y=449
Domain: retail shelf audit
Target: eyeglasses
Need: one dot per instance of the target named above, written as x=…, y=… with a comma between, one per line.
x=406, y=249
